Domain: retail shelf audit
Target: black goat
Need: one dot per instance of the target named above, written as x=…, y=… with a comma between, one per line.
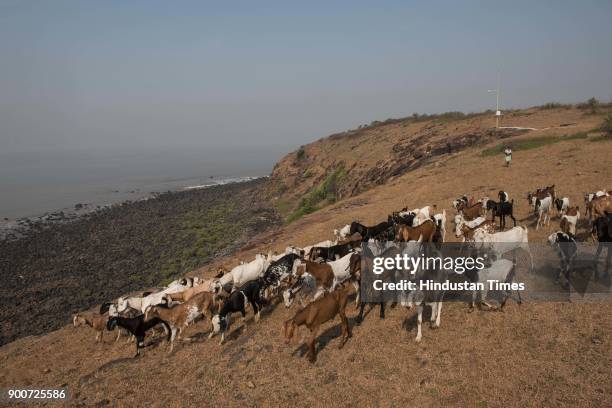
x=366, y=274
x=503, y=196
x=401, y=218
x=137, y=326
x=368, y=233
x=236, y=302
x=104, y=307
x=501, y=209
x=333, y=252
x=602, y=231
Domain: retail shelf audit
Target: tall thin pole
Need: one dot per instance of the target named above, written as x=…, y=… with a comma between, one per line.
x=497, y=91
x=497, y=112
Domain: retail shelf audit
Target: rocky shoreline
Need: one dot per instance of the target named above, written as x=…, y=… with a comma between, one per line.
x=58, y=264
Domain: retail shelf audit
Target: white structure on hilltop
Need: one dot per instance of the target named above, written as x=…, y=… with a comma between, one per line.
x=497, y=92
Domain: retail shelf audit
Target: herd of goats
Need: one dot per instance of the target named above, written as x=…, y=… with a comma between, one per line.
x=323, y=276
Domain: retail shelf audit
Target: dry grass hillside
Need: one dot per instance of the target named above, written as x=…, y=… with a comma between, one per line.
x=537, y=354
x=346, y=164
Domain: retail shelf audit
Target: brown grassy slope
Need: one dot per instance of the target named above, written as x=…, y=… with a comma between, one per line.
x=538, y=354
x=375, y=155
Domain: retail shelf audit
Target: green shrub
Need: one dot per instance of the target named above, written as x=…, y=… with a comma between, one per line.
x=282, y=206
x=300, y=153
x=606, y=126
x=554, y=105
x=592, y=106
x=324, y=193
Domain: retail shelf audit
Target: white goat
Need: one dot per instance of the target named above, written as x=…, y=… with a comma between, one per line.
x=420, y=215
x=441, y=220
x=505, y=241
x=341, y=269
x=543, y=208
x=571, y=221
x=342, y=233
x=562, y=204
x=244, y=273
x=142, y=303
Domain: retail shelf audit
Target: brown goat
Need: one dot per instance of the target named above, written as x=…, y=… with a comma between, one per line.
x=318, y=312
x=572, y=211
x=95, y=321
x=599, y=206
x=322, y=273
x=180, y=316
x=471, y=212
x=468, y=233
x=405, y=233
x=541, y=193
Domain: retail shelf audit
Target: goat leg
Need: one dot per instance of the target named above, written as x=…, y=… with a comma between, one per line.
x=471, y=309
x=359, y=318
x=419, y=322
x=244, y=323
x=139, y=344
x=345, y=331
x=312, y=353
x=438, y=314
x=434, y=312
x=174, y=331
x=490, y=306
x=257, y=311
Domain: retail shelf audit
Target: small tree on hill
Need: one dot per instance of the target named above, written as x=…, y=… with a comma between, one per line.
x=606, y=126
x=300, y=153
x=592, y=104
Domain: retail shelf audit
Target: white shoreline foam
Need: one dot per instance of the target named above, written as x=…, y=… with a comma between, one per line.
x=21, y=223
x=224, y=181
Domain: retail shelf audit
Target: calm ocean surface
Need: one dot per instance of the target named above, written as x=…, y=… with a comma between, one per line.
x=37, y=182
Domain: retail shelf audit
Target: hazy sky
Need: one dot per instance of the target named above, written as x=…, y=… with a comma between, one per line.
x=119, y=74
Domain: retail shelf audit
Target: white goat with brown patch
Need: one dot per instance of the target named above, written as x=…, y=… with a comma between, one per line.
x=180, y=316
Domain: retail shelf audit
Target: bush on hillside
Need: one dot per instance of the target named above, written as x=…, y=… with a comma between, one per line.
x=592, y=106
x=555, y=105
x=300, y=153
x=606, y=126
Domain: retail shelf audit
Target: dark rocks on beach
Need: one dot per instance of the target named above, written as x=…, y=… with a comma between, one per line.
x=73, y=263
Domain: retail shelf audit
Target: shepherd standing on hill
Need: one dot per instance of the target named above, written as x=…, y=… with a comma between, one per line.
x=508, y=153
